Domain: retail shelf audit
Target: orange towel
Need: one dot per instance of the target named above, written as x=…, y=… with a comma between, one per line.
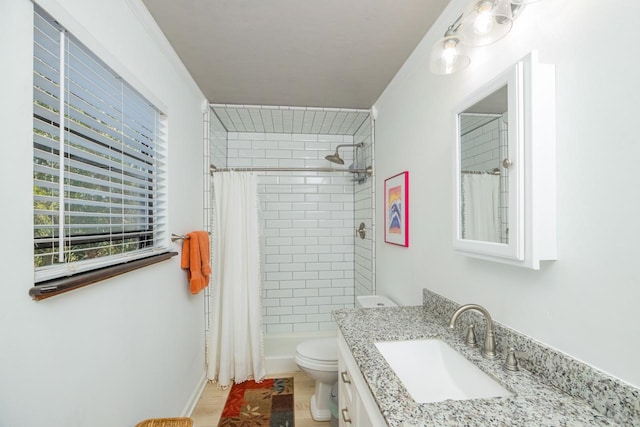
x=195, y=259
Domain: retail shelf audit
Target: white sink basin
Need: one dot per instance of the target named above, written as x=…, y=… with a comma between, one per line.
x=432, y=371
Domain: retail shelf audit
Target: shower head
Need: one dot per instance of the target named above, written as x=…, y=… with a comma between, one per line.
x=335, y=158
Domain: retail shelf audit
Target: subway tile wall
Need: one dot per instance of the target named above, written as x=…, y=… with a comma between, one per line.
x=312, y=265
x=480, y=144
x=215, y=153
x=218, y=143
x=307, y=223
x=206, y=157
x=364, y=209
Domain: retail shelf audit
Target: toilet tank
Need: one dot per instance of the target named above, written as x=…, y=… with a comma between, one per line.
x=368, y=301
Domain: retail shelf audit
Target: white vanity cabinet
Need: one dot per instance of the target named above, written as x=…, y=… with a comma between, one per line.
x=356, y=406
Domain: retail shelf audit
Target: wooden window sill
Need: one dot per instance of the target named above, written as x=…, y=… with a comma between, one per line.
x=61, y=285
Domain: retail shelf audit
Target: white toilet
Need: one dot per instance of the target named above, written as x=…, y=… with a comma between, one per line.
x=318, y=358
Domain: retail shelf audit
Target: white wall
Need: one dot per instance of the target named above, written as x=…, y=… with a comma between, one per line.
x=585, y=303
x=127, y=348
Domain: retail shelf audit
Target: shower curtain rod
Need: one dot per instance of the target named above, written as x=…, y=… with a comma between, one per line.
x=368, y=170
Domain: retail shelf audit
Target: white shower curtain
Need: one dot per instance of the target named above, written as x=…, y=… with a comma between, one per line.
x=235, y=338
x=480, y=200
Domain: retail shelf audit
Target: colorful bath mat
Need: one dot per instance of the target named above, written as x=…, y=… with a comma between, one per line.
x=265, y=404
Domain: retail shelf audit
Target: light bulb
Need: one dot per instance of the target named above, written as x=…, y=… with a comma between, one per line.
x=484, y=6
x=483, y=24
x=484, y=21
x=450, y=55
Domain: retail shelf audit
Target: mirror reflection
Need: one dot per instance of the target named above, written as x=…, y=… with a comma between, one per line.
x=483, y=147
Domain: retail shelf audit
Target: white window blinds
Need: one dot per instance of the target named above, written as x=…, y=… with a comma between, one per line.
x=99, y=161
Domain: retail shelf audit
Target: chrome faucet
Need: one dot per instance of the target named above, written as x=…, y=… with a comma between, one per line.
x=489, y=350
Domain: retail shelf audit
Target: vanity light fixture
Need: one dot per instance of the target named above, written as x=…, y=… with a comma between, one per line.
x=483, y=22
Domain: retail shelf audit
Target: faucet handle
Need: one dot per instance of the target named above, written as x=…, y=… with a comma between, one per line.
x=489, y=344
x=511, y=364
x=471, y=336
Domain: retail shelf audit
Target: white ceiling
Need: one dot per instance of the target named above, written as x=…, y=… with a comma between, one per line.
x=318, y=53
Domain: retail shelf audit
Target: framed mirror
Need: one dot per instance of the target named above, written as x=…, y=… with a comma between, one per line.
x=494, y=172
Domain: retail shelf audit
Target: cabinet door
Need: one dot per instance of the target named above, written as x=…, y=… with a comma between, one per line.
x=357, y=406
x=504, y=168
x=362, y=416
x=345, y=395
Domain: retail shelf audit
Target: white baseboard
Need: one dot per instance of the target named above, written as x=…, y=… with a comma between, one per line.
x=195, y=396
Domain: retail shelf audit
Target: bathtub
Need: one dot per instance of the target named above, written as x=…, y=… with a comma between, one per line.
x=279, y=350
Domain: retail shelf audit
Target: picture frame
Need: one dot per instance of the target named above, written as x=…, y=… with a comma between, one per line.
x=396, y=209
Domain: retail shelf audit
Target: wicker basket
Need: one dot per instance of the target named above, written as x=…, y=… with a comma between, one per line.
x=166, y=422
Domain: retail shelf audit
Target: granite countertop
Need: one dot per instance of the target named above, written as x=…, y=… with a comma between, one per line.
x=534, y=402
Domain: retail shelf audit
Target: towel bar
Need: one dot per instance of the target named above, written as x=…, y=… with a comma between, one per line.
x=175, y=237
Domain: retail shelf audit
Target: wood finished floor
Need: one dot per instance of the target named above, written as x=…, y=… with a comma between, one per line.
x=209, y=407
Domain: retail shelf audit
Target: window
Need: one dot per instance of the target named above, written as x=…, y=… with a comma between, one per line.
x=99, y=166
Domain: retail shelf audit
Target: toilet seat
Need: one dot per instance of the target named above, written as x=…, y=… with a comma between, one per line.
x=320, y=354
x=315, y=364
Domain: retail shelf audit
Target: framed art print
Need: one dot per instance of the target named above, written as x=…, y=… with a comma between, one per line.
x=396, y=209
